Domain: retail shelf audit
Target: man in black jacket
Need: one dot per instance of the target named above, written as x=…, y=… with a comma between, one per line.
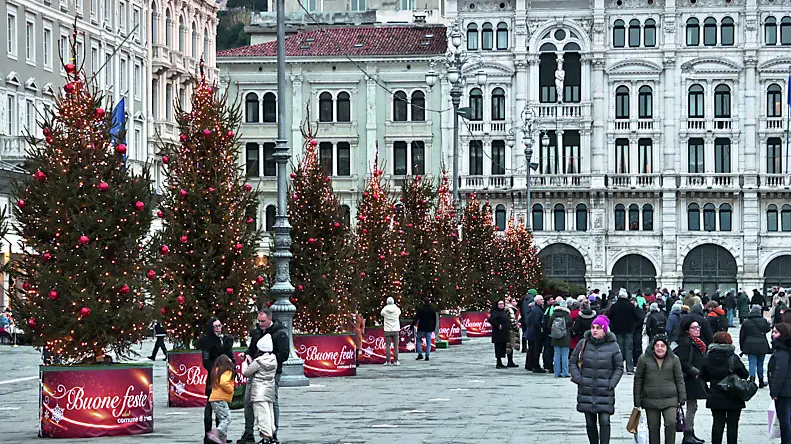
x=159, y=333
x=623, y=317
x=213, y=344
x=426, y=321
x=266, y=325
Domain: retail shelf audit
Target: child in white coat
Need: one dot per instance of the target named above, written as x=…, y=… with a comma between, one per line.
x=261, y=374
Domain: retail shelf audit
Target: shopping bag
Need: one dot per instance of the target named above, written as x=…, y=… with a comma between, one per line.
x=641, y=437
x=634, y=421
x=774, y=423
x=681, y=421
x=237, y=402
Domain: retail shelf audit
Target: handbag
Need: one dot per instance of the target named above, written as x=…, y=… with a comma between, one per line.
x=579, y=358
x=238, y=398
x=634, y=421
x=743, y=389
x=681, y=421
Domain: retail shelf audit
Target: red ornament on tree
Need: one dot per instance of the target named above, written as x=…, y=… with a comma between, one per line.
x=381, y=257
x=313, y=142
x=206, y=133
x=229, y=290
x=26, y=286
x=100, y=113
x=53, y=295
x=293, y=300
x=85, y=312
x=47, y=132
x=46, y=256
x=124, y=290
x=250, y=220
x=328, y=178
x=40, y=176
x=84, y=240
x=248, y=187
x=183, y=193
x=151, y=275
x=300, y=287
x=238, y=246
x=20, y=203
x=32, y=323
x=69, y=88
x=336, y=225
x=120, y=148
x=163, y=311
x=229, y=134
x=183, y=138
x=180, y=300
x=140, y=205
x=103, y=186
x=259, y=280
x=160, y=214
x=362, y=274
x=293, y=175
x=164, y=250
x=183, y=239
x=312, y=240
x=70, y=68
x=165, y=159
x=212, y=189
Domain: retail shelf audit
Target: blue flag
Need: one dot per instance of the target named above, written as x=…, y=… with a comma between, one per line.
x=119, y=112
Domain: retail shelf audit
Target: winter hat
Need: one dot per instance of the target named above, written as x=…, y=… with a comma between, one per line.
x=563, y=304
x=654, y=307
x=265, y=344
x=661, y=338
x=390, y=300
x=532, y=291
x=755, y=308
x=603, y=322
x=623, y=294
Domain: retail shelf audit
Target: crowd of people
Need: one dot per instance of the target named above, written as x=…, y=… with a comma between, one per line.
x=690, y=354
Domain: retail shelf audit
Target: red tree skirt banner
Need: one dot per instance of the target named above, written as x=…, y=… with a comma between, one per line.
x=187, y=377
x=326, y=355
x=94, y=401
x=373, y=350
x=476, y=323
x=450, y=329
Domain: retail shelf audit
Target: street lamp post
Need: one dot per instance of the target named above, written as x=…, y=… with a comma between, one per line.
x=455, y=60
x=528, y=118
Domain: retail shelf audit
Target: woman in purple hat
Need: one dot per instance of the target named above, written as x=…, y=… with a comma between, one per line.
x=596, y=366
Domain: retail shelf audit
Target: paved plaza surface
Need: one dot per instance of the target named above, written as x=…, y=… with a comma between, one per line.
x=458, y=397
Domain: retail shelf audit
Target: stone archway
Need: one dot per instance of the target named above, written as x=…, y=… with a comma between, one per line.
x=563, y=262
x=709, y=267
x=635, y=273
x=777, y=273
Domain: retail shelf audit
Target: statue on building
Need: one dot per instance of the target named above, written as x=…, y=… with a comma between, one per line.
x=560, y=76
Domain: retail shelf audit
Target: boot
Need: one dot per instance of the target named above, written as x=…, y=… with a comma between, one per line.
x=761, y=384
x=500, y=363
x=689, y=438
x=511, y=360
x=695, y=439
x=752, y=379
x=524, y=345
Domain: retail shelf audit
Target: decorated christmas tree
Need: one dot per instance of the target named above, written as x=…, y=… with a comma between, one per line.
x=445, y=255
x=319, y=269
x=375, y=277
x=479, y=281
x=203, y=257
x=518, y=266
x=82, y=216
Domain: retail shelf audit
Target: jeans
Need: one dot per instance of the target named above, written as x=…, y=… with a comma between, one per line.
x=223, y=415
x=207, y=413
x=756, y=366
x=689, y=416
x=561, y=362
x=625, y=343
x=600, y=434
x=731, y=313
x=533, y=355
x=419, y=342
x=391, y=338
x=783, y=412
x=721, y=417
x=654, y=417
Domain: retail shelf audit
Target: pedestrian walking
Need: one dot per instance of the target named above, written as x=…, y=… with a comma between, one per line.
x=706, y=333
x=534, y=322
x=524, y=309
x=261, y=379
x=743, y=306
x=596, y=366
x=583, y=323
x=213, y=344
x=780, y=378
x=758, y=299
x=392, y=326
x=560, y=332
x=726, y=407
x=623, y=317
x=691, y=351
x=753, y=343
x=729, y=304
x=498, y=319
x=673, y=322
x=159, y=334
x=221, y=379
x=514, y=338
x=659, y=389
x=426, y=323
x=655, y=322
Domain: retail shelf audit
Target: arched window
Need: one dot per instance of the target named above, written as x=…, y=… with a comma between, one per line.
x=693, y=32
x=270, y=108
x=399, y=106
x=710, y=32
x=695, y=102
x=499, y=217
x=487, y=36
x=154, y=24
x=693, y=217
x=582, y=217
x=622, y=102
x=722, y=101
x=343, y=111
x=325, y=107
x=645, y=102
x=771, y=218
x=251, y=108
x=498, y=104
x=648, y=217
x=472, y=37
x=634, y=217
x=271, y=215
x=649, y=33
x=194, y=47
x=182, y=31
x=476, y=104
x=620, y=217
x=785, y=31
x=770, y=31
x=709, y=217
x=168, y=28
x=774, y=101
x=634, y=33
x=727, y=31
x=346, y=214
x=538, y=217
x=560, y=217
x=619, y=34
x=725, y=217
x=502, y=36
x=418, y=106
x=785, y=218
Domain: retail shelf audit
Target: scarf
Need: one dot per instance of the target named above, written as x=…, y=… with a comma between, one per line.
x=700, y=344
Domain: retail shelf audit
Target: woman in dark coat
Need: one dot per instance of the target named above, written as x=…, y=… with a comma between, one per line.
x=721, y=361
x=501, y=327
x=602, y=367
x=691, y=351
x=659, y=389
x=753, y=343
x=780, y=378
x=758, y=299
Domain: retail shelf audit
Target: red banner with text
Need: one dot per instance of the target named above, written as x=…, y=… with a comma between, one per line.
x=89, y=402
x=476, y=323
x=187, y=377
x=450, y=329
x=373, y=349
x=326, y=355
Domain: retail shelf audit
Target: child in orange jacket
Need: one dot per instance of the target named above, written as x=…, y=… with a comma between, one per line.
x=221, y=394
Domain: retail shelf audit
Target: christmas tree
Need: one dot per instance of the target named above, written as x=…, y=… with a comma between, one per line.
x=445, y=255
x=479, y=282
x=518, y=266
x=82, y=217
x=375, y=276
x=319, y=270
x=203, y=257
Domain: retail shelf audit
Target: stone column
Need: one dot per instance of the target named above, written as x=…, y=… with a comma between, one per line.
x=670, y=140
x=599, y=137
x=370, y=123
x=750, y=119
x=297, y=113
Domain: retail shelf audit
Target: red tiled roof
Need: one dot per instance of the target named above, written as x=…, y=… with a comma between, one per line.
x=353, y=41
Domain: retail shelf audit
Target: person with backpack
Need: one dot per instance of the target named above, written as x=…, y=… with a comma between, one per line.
x=674, y=321
x=560, y=332
x=716, y=317
x=691, y=351
x=753, y=343
x=623, y=317
x=726, y=407
x=655, y=323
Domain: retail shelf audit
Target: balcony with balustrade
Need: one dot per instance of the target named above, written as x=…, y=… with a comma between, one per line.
x=710, y=181
x=634, y=181
x=553, y=182
x=777, y=182
x=12, y=149
x=772, y=124
x=493, y=182
x=160, y=58
x=478, y=128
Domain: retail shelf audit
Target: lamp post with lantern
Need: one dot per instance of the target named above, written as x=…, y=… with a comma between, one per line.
x=528, y=129
x=455, y=60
